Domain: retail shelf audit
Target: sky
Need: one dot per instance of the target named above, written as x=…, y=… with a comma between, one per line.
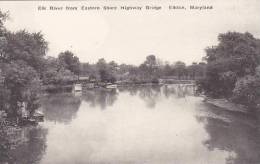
x=129, y=36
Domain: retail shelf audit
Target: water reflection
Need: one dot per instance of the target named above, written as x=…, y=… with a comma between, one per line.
x=178, y=91
x=26, y=145
x=180, y=129
x=151, y=94
x=234, y=132
x=100, y=97
x=148, y=94
x=60, y=107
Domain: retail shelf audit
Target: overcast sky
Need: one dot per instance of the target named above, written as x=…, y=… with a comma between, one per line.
x=129, y=37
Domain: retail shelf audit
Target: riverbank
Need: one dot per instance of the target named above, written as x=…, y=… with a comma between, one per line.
x=227, y=105
x=69, y=87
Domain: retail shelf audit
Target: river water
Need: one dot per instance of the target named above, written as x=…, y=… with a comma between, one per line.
x=137, y=125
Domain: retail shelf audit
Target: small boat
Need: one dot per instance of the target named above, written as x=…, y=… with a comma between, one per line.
x=77, y=87
x=38, y=116
x=32, y=121
x=111, y=86
x=28, y=121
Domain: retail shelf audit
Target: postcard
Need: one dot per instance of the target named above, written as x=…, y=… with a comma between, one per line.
x=130, y=82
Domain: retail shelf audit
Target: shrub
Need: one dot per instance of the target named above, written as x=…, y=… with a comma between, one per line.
x=247, y=91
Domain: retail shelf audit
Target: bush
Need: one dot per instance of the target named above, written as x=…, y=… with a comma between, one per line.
x=247, y=91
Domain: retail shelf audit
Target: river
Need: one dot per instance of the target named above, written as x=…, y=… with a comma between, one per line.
x=137, y=125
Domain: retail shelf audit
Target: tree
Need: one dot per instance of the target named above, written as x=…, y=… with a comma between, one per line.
x=4, y=95
x=148, y=71
x=55, y=73
x=3, y=17
x=106, y=70
x=70, y=61
x=24, y=85
x=3, y=41
x=167, y=70
x=257, y=71
x=235, y=57
x=88, y=70
x=29, y=47
x=192, y=69
x=150, y=61
x=3, y=44
x=21, y=61
x=247, y=91
x=113, y=66
x=239, y=51
x=180, y=69
x=196, y=71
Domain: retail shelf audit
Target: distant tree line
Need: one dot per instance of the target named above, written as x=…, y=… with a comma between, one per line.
x=233, y=69
x=149, y=71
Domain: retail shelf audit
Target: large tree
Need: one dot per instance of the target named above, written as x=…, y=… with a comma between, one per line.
x=29, y=47
x=88, y=70
x=21, y=63
x=196, y=71
x=106, y=70
x=149, y=70
x=23, y=84
x=3, y=17
x=238, y=52
x=180, y=69
x=3, y=41
x=236, y=56
x=55, y=73
x=70, y=61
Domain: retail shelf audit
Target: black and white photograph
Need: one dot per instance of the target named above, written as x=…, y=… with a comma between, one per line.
x=130, y=82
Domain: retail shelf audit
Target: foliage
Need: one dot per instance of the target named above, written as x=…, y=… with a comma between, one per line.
x=151, y=61
x=87, y=69
x=4, y=145
x=29, y=47
x=235, y=57
x=247, y=91
x=4, y=98
x=56, y=73
x=23, y=83
x=240, y=50
x=3, y=17
x=180, y=68
x=69, y=61
x=106, y=71
x=196, y=71
x=24, y=67
x=21, y=59
x=147, y=72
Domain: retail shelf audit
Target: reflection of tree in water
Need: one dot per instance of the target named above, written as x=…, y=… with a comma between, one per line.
x=60, y=107
x=133, y=90
x=100, y=97
x=29, y=145
x=149, y=94
x=233, y=132
x=178, y=90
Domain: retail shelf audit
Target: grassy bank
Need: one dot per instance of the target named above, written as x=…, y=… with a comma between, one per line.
x=228, y=105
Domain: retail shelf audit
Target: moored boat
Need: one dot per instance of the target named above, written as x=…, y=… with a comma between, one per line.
x=38, y=116
x=111, y=86
x=77, y=88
